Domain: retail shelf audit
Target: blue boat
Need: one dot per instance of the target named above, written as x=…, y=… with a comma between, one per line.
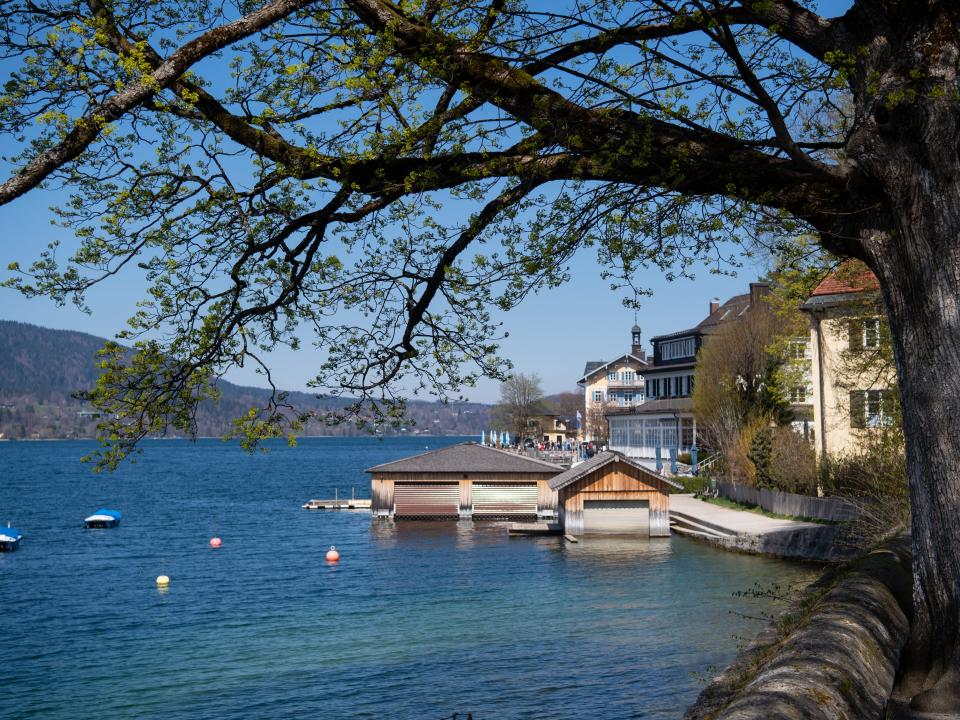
x=103, y=518
x=9, y=538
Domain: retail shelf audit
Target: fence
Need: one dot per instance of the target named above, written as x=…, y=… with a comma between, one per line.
x=783, y=503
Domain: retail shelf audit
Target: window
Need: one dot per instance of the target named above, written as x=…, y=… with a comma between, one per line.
x=864, y=333
x=667, y=386
x=598, y=396
x=798, y=394
x=689, y=385
x=627, y=399
x=675, y=349
x=872, y=408
x=797, y=350
x=628, y=377
x=612, y=376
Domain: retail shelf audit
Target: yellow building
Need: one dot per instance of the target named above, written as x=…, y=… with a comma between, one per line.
x=609, y=385
x=846, y=326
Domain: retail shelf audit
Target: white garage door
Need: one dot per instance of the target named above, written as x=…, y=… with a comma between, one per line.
x=426, y=499
x=616, y=516
x=501, y=499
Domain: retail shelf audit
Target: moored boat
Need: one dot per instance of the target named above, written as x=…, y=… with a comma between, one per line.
x=103, y=518
x=9, y=538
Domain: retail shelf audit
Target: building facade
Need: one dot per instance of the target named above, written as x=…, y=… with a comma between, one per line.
x=614, y=384
x=854, y=389
x=665, y=420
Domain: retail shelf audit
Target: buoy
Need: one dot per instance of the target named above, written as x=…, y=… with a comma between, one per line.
x=333, y=555
x=215, y=542
x=162, y=581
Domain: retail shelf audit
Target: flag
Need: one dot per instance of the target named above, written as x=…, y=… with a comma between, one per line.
x=579, y=419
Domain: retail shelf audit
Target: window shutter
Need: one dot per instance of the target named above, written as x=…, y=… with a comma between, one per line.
x=890, y=402
x=858, y=408
x=855, y=334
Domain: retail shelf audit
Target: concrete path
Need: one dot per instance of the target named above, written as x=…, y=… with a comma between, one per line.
x=730, y=522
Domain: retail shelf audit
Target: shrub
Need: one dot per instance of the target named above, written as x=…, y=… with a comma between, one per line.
x=793, y=463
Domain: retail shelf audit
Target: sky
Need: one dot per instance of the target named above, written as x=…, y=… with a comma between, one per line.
x=551, y=334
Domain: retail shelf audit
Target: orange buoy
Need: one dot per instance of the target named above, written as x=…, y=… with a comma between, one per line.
x=333, y=555
x=215, y=542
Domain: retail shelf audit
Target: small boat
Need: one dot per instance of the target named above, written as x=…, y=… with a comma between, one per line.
x=9, y=538
x=103, y=518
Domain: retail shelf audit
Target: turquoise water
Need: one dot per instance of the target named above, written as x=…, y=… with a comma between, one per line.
x=419, y=620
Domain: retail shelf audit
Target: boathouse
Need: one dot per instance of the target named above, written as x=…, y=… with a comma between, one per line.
x=611, y=493
x=467, y=481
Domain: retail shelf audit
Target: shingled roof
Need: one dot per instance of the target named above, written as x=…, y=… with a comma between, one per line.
x=851, y=277
x=467, y=457
x=577, y=472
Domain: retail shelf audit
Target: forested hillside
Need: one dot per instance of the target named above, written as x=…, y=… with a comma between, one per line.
x=40, y=369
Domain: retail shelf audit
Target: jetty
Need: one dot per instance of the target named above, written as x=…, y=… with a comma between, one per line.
x=339, y=503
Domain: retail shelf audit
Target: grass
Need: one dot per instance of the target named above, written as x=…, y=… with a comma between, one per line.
x=749, y=507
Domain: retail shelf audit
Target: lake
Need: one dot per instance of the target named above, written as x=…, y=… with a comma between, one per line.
x=418, y=620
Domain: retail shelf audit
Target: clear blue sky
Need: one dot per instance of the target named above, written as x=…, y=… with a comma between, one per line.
x=551, y=334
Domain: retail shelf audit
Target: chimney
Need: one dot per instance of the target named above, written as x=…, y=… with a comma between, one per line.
x=714, y=305
x=757, y=291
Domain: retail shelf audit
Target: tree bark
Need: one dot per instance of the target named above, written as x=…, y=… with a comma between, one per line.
x=903, y=153
x=918, y=264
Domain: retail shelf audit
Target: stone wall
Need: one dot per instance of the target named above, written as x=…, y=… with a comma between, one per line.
x=833, y=654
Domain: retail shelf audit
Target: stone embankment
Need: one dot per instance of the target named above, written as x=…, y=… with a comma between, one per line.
x=754, y=533
x=834, y=654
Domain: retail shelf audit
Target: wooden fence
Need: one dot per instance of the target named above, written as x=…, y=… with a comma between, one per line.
x=782, y=503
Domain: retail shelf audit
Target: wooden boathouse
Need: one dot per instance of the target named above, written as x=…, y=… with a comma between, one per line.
x=611, y=493
x=466, y=481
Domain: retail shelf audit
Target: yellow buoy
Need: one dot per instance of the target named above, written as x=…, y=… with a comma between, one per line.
x=162, y=580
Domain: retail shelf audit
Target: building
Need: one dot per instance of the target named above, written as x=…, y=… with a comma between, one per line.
x=466, y=481
x=617, y=383
x=610, y=493
x=550, y=428
x=665, y=419
x=848, y=328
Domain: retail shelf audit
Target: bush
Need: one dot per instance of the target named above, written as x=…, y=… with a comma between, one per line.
x=874, y=480
x=793, y=465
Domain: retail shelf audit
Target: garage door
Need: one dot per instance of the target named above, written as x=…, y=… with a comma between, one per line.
x=617, y=516
x=426, y=499
x=501, y=499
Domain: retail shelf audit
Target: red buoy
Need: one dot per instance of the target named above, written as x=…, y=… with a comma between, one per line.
x=333, y=555
x=215, y=542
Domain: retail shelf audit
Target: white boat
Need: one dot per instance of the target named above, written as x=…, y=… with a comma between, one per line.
x=9, y=538
x=103, y=518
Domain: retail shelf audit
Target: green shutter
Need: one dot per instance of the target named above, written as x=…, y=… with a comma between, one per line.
x=858, y=408
x=891, y=404
x=855, y=334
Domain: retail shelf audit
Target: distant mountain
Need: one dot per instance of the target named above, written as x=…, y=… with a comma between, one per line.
x=40, y=369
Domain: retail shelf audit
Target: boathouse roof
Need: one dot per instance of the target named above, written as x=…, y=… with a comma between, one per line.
x=598, y=461
x=468, y=457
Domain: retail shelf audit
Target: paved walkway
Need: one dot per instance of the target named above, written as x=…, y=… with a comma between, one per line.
x=731, y=522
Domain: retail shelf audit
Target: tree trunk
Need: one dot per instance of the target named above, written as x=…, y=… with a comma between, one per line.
x=903, y=154
x=923, y=312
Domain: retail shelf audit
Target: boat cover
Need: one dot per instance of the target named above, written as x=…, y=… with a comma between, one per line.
x=104, y=513
x=8, y=534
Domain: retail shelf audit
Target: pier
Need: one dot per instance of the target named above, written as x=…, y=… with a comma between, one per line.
x=339, y=503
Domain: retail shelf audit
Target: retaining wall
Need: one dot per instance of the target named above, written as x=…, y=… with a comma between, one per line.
x=834, y=654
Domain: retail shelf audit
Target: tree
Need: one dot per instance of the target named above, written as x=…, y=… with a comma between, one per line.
x=299, y=154
x=520, y=399
x=735, y=393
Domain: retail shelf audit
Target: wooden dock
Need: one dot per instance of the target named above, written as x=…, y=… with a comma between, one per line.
x=338, y=504
x=537, y=528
